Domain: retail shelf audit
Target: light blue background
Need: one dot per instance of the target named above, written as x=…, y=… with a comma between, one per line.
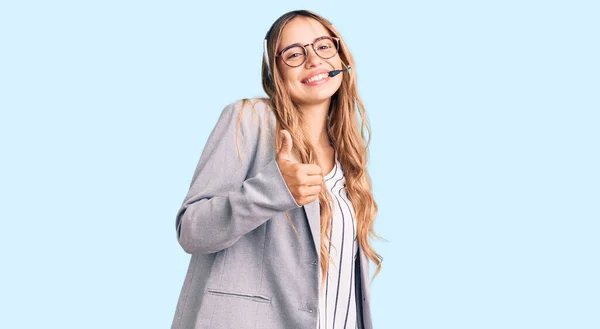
x=484, y=154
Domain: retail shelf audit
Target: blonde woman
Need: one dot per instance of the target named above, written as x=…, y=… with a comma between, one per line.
x=280, y=209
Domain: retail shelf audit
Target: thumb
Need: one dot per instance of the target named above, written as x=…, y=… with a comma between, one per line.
x=285, y=151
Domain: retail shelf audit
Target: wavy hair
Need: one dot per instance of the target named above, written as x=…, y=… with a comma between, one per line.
x=343, y=133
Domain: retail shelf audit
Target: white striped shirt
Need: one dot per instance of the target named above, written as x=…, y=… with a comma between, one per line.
x=337, y=300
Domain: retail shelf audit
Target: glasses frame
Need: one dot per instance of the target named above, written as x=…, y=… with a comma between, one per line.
x=337, y=49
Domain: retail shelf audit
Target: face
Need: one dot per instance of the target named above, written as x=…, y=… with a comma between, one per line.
x=304, y=30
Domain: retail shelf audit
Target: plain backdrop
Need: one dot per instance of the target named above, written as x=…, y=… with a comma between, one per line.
x=484, y=154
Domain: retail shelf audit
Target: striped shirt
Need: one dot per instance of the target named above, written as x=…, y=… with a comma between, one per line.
x=337, y=300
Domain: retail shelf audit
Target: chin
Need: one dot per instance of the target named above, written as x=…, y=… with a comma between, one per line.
x=317, y=96
x=312, y=100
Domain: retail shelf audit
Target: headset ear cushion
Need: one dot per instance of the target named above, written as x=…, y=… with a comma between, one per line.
x=266, y=56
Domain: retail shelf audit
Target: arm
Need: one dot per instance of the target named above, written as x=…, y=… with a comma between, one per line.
x=220, y=206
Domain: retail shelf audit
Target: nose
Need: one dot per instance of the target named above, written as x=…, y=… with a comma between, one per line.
x=312, y=59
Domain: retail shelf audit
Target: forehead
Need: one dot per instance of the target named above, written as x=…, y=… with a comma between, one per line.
x=301, y=30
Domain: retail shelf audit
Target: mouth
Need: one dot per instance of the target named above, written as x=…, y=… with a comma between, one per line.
x=316, y=79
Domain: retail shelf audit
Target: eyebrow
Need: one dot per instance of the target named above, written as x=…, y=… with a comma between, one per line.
x=301, y=45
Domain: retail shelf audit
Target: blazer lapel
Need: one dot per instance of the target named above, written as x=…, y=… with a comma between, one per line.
x=365, y=278
x=313, y=214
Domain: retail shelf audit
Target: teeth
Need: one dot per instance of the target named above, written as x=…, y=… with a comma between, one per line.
x=317, y=77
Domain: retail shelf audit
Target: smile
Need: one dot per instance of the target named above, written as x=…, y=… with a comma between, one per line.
x=317, y=79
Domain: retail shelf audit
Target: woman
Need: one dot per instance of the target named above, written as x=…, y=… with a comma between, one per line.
x=279, y=210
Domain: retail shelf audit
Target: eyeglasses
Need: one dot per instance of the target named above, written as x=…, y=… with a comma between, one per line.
x=296, y=54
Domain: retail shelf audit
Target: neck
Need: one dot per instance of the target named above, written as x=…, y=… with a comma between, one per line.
x=315, y=118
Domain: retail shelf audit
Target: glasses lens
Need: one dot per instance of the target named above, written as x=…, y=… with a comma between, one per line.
x=294, y=56
x=326, y=47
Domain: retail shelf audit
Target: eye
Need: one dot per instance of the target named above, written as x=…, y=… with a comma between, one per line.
x=294, y=55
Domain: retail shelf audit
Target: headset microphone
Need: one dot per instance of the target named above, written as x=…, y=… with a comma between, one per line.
x=336, y=72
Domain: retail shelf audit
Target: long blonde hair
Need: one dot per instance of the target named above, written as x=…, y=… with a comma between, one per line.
x=342, y=130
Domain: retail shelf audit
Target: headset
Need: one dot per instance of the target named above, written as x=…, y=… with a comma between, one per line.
x=266, y=55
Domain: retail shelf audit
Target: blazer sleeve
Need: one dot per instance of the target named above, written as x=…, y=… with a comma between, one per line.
x=221, y=205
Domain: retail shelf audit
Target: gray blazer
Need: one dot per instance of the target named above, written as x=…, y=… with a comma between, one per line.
x=248, y=268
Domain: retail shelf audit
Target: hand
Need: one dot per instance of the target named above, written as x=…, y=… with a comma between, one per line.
x=303, y=180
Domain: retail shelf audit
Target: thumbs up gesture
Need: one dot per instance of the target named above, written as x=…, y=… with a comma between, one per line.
x=303, y=180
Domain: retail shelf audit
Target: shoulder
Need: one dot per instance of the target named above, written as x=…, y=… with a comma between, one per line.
x=250, y=115
x=248, y=107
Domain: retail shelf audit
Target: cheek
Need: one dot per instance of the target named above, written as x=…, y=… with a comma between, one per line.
x=293, y=84
x=290, y=79
x=287, y=73
x=295, y=90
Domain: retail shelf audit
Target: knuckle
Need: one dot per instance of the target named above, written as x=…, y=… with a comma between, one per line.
x=299, y=191
x=306, y=191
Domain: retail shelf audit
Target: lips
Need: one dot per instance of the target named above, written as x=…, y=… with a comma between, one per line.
x=317, y=76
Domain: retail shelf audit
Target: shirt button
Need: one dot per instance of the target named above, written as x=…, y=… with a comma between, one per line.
x=310, y=311
x=313, y=263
